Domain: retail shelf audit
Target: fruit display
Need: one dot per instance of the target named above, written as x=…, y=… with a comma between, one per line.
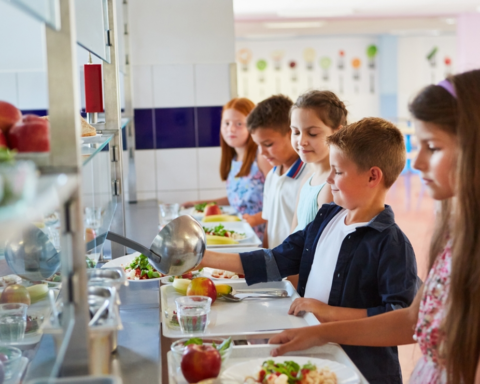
x=212, y=209
x=9, y=115
x=202, y=286
x=30, y=134
x=200, y=362
x=217, y=218
x=15, y=293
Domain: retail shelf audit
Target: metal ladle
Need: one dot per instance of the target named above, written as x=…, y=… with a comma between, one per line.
x=178, y=247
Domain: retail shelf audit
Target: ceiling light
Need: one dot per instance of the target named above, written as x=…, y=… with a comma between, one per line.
x=315, y=12
x=293, y=24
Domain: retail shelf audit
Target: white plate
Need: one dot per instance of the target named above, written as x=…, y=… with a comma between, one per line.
x=126, y=260
x=91, y=139
x=252, y=239
x=226, y=210
x=239, y=372
x=207, y=272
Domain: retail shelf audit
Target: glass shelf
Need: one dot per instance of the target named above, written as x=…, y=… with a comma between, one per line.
x=92, y=145
x=51, y=192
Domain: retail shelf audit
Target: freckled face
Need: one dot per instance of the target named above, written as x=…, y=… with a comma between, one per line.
x=436, y=159
x=234, y=128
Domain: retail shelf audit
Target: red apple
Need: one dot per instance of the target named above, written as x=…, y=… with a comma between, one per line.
x=202, y=286
x=15, y=293
x=31, y=134
x=212, y=209
x=3, y=140
x=200, y=362
x=9, y=115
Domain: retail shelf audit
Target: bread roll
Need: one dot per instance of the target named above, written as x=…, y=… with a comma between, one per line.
x=87, y=129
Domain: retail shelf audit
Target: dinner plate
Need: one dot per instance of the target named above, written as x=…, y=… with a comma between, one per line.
x=239, y=372
x=207, y=272
x=124, y=261
x=226, y=210
x=251, y=240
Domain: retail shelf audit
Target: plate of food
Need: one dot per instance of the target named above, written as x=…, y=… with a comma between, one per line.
x=186, y=276
x=230, y=234
x=136, y=267
x=220, y=274
x=199, y=211
x=291, y=370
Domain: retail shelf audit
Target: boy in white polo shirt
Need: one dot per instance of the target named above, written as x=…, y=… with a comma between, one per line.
x=269, y=125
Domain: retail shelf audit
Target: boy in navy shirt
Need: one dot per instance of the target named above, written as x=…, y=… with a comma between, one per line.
x=353, y=260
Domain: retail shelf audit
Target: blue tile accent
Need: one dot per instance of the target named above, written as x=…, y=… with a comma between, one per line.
x=38, y=112
x=389, y=106
x=124, y=138
x=144, y=138
x=175, y=128
x=208, y=126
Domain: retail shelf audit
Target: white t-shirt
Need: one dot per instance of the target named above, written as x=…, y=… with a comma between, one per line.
x=279, y=200
x=319, y=281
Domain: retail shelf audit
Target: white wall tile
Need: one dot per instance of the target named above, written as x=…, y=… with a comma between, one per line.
x=176, y=169
x=176, y=196
x=182, y=31
x=8, y=87
x=32, y=90
x=173, y=86
x=208, y=168
x=142, y=196
x=212, y=84
x=212, y=194
x=145, y=169
x=142, y=93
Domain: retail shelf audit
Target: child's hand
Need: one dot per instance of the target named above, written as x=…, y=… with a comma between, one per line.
x=249, y=219
x=323, y=312
x=296, y=339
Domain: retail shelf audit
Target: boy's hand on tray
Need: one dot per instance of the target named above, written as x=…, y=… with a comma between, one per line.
x=323, y=312
x=296, y=339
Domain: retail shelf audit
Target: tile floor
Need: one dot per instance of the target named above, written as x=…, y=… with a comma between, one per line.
x=414, y=213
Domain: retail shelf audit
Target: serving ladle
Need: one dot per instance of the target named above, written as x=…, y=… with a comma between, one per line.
x=178, y=247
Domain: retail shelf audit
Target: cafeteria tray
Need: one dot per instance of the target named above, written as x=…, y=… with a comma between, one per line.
x=247, y=318
x=241, y=354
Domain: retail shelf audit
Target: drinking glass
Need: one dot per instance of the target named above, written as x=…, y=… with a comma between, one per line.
x=168, y=212
x=192, y=313
x=13, y=320
x=93, y=217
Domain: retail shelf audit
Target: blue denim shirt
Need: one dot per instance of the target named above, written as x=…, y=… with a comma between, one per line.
x=376, y=270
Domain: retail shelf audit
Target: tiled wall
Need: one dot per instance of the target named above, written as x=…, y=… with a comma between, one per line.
x=181, y=53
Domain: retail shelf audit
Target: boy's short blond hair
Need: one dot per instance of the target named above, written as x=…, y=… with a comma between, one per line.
x=373, y=142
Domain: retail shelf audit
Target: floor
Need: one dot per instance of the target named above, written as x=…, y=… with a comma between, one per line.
x=414, y=213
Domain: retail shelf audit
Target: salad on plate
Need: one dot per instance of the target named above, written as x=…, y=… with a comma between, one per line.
x=290, y=372
x=221, y=231
x=140, y=269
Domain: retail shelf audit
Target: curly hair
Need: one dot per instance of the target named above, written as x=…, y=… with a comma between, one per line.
x=272, y=113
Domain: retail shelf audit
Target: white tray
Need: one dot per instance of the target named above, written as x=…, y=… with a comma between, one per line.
x=252, y=239
x=246, y=318
x=241, y=354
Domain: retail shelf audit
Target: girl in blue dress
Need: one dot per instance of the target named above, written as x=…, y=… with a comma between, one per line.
x=241, y=166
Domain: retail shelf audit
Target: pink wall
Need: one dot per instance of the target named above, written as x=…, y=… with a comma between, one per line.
x=468, y=41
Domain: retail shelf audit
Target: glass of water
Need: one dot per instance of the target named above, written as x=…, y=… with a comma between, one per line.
x=13, y=320
x=168, y=212
x=192, y=313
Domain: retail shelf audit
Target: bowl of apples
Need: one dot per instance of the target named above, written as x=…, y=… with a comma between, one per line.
x=201, y=358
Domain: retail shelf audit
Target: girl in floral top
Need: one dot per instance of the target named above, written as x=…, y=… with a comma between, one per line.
x=445, y=315
x=241, y=166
